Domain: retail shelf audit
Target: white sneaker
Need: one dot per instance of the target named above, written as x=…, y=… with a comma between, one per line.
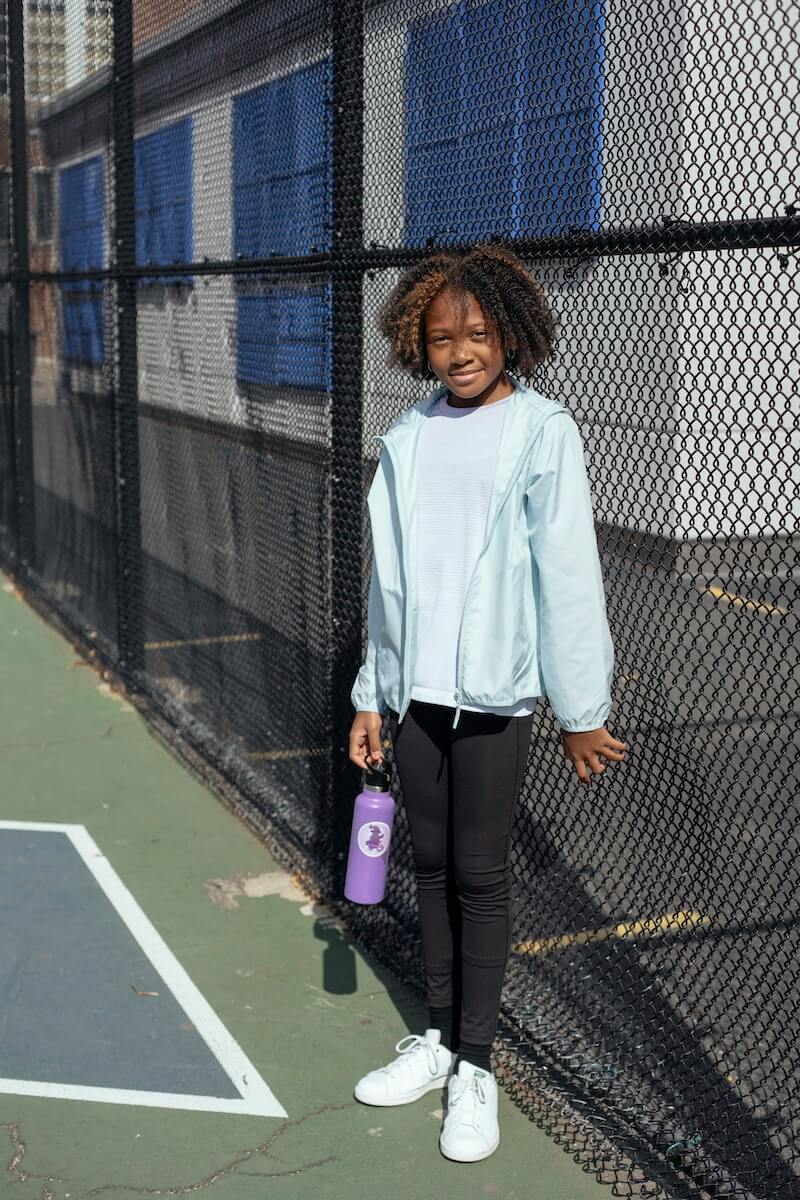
x=422, y=1065
x=470, y=1131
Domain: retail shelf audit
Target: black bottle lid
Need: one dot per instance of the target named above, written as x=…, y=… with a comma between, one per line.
x=377, y=777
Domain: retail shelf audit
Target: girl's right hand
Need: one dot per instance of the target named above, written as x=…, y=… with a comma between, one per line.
x=365, y=739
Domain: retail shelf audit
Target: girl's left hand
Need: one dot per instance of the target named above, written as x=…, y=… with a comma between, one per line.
x=584, y=750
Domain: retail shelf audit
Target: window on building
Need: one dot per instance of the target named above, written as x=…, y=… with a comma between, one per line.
x=45, y=49
x=43, y=199
x=282, y=205
x=503, y=103
x=163, y=166
x=81, y=208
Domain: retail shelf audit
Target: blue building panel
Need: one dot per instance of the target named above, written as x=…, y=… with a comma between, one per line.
x=435, y=185
x=282, y=206
x=81, y=217
x=83, y=326
x=514, y=151
x=281, y=165
x=163, y=169
x=284, y=338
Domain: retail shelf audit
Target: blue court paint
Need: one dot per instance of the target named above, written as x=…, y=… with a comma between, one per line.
x=74, y=940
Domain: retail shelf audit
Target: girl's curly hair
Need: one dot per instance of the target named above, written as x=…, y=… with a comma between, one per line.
x=512, y=300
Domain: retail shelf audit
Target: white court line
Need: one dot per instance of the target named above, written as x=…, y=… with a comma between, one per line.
x=257, y=1099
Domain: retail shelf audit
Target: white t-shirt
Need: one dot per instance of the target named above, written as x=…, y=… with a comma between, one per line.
x=456, y=461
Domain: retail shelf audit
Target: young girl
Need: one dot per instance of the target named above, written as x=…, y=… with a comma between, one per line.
x=486, y=593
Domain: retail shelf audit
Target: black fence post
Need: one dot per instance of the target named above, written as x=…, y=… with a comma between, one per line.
x=21, y=409
x=347, y=459
x=125, y=385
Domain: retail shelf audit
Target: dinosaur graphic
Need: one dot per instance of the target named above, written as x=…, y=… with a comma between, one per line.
x=375, y=839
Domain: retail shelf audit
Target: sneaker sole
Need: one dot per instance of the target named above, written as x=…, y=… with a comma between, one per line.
x=472, y=1157
x=434, y=1085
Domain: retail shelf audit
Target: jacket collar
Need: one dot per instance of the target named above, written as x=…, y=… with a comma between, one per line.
x=407, y=420
x=522, y=419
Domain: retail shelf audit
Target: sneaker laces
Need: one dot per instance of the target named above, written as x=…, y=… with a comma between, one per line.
x=464, y=1105
x=415, y=1043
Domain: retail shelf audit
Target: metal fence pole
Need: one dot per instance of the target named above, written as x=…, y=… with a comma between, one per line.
x=347, y=460
x=22, y=416
x=125, y=385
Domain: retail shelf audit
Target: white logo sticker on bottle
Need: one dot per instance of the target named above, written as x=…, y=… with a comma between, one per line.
x=373, y=838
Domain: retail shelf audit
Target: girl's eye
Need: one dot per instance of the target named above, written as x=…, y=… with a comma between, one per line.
x=477, y=333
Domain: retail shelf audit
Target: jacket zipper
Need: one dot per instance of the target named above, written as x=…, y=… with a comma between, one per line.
x=487, y=539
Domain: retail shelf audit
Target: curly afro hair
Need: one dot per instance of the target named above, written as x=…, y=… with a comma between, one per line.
x=512, y=301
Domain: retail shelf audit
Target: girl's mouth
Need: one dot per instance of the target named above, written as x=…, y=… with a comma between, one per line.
x=464, y=375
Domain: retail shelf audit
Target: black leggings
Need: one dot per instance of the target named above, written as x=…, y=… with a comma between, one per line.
x=460, y=789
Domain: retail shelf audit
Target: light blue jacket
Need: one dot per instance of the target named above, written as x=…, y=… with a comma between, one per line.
x=534, y=621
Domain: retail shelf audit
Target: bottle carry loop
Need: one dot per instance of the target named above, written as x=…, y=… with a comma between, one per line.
x=378, y=775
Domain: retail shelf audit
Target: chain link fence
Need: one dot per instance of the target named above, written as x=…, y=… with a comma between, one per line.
x=203, y=204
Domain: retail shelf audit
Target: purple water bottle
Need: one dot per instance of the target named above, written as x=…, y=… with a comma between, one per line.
x=373, y=816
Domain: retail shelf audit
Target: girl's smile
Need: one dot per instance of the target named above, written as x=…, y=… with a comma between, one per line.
x=464, y=352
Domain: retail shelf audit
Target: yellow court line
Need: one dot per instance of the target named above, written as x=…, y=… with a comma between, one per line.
x=760, y=605
x=205, y=641
x=669, y=923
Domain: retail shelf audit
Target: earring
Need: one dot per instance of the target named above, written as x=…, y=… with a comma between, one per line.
x=510, y=355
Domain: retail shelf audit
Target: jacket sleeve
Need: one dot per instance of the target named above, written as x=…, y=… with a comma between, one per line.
x=364, y=695
x=576, y=652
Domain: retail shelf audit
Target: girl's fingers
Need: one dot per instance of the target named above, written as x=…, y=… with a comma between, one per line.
x=584, y=768
x=593, y=762
x=582, y=771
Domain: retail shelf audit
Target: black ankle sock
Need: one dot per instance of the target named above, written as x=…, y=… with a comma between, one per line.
x=475, y=1054
x=442, y=1019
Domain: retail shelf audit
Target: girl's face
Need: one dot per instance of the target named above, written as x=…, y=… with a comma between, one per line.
x=462, y=350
